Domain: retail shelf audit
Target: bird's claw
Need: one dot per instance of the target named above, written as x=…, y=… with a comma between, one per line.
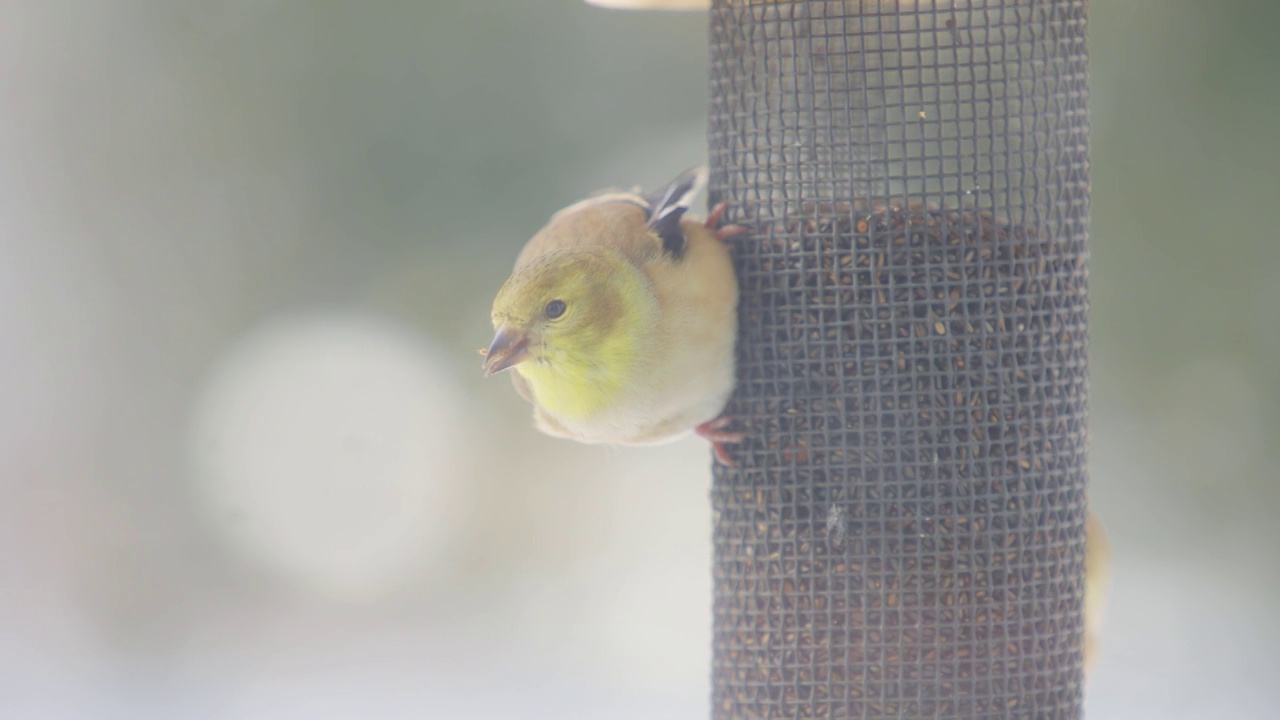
x=714, y=432
x=716, y=215
x=728, y=231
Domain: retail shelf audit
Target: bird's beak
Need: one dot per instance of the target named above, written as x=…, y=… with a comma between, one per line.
x=509, y=348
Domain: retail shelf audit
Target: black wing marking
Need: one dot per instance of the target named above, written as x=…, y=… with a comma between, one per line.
x=667, y=226
x=668, y=205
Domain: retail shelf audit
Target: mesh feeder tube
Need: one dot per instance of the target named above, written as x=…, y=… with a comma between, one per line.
x=904, y=534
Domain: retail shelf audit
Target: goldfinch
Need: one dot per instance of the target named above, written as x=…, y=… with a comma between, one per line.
x=1097, y=580
x=620, y=318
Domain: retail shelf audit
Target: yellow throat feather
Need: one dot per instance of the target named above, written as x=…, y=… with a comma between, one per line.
x=583, y=361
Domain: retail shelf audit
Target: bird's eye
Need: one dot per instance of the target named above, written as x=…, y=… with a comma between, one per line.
x=555, y=309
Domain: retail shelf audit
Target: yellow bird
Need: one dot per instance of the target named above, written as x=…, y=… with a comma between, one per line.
x=1097, y=579
x=620, y=318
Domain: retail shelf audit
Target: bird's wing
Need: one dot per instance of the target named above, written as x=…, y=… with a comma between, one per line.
x=667, y=205
x=644, y=227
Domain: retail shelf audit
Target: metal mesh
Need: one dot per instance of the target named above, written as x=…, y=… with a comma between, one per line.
x=904, y=535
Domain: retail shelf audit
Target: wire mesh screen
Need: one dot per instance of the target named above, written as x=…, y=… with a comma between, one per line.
x=904, y=534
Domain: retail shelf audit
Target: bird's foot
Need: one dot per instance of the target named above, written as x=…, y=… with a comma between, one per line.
x=728, y=231
x=714, y=432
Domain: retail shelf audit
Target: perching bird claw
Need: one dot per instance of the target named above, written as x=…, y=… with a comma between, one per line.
x=714, y=432
x=717, y=214
x=728, y=231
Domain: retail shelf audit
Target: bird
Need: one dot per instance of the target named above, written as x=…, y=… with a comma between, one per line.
x=1097, y=581
x=619, y=320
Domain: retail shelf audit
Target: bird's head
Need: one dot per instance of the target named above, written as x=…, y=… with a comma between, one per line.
x=579, y=312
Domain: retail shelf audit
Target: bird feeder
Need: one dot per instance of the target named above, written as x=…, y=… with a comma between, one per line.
x=904, y=533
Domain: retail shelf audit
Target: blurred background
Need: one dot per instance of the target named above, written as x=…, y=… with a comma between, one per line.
x=251, y=468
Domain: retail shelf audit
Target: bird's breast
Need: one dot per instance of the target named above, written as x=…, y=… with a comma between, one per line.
x=578, y=388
